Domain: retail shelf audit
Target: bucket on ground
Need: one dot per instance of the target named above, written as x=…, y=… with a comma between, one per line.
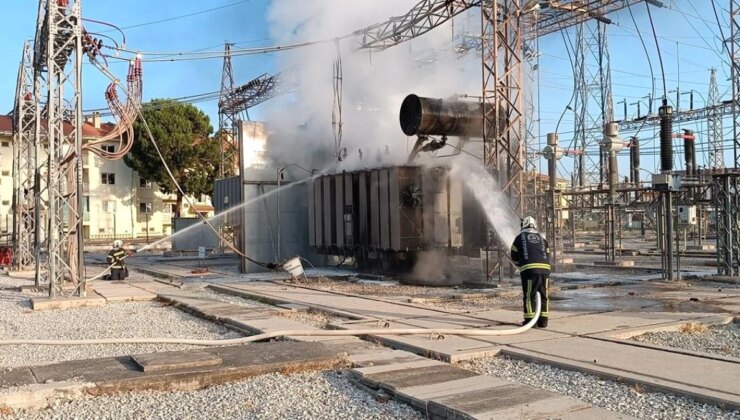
x=294, y=267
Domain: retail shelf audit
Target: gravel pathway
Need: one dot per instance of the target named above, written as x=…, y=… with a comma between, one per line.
x=322, y=395
x=721, y=339
x=141, y=319
x=610, y=395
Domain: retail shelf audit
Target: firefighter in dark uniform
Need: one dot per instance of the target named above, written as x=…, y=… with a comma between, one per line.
x=115, y=260
x=530, y=252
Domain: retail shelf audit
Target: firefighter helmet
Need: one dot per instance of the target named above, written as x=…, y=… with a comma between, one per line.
x=529, y=223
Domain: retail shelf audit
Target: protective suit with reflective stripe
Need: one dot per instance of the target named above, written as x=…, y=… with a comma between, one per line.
x=530, y=252
x=116, y=262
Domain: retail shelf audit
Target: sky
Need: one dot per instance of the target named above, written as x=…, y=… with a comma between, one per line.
x=688, y=36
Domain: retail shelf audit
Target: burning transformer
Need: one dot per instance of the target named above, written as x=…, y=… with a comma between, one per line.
x=384, y=218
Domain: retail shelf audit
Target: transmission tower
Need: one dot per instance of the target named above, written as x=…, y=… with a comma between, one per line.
x=503, y=97
x=58, y=57
x=227, y=120
x=24, y=163
x=594, y=104
x=532, y=155
x=714, y=125
x=735, y=63
x=580, y=106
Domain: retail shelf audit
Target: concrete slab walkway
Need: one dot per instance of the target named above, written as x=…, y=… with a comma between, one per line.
x=442, y=391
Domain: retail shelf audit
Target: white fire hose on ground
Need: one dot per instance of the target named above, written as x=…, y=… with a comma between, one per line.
x=295, y=333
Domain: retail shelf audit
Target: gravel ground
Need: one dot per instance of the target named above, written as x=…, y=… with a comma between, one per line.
x=7, y=282
x=111, y=321
x=323, y=395
x=606, y=394
x=721, y=339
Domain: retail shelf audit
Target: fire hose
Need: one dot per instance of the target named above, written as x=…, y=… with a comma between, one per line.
x=440, y=332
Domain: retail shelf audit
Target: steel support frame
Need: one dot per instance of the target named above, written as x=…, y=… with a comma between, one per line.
x=714, y=125
x=227, y=120
x=503, y=96
x=594, y=103
x=726, y=203
x=735, y=67
x=24, y=164
x=429, y=14
x=533, y=201
x=59, y=53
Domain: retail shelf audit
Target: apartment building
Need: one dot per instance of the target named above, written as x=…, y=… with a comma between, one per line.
x=118, y=202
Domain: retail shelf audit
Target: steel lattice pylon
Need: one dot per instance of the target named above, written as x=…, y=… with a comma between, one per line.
x=594, y=103
x=726, y=201
x=735, y=64
x=227, y=120
x=714, y=125
x=58, y=54
x=24, y=163
x=533, y=199
x=503, y=96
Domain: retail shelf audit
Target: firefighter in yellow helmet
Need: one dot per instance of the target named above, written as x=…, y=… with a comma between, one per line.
x=530, y=252
x=115, y=259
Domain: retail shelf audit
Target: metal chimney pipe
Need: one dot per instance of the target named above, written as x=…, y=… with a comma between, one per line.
x=437, y=117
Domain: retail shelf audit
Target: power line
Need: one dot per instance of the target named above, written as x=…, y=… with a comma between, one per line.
x=155, y=22
x=657, y=47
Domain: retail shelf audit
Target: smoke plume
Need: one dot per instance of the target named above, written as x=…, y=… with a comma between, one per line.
x=374, y=82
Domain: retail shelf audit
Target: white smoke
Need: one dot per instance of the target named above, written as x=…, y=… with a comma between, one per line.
x=374, y=82
x=493, y=201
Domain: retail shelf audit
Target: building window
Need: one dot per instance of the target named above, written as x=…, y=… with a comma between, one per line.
x=145, y=208
x=108, y=179
x=6, y=173
x=6, y=144
x=87, y=204
x=101, y=230
x=85, y=176
x=169, y=208
x=108, y=148
x=144, y=184
x=109, y=206
x=6, y=202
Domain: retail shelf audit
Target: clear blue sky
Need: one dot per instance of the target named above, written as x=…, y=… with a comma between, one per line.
x=241, y=22
x=689, y=40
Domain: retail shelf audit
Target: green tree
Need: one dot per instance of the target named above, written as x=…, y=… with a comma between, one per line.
x=183, y=134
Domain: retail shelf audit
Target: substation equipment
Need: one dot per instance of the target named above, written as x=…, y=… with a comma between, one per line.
x=48, y=190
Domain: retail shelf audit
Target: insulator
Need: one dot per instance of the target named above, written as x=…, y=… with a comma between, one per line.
x=689, y=151
x=635, y=159
x=666, y=137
